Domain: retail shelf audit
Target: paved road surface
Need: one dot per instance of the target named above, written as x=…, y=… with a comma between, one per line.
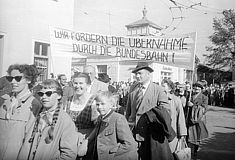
x=221, y=142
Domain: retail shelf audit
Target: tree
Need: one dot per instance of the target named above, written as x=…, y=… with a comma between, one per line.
x=223, y=40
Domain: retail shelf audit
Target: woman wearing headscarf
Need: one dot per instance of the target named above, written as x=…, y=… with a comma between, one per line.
x=53, y=135
x=197, y=109
x=19, y=109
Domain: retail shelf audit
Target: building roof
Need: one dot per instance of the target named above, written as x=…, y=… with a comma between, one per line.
x=143, y=22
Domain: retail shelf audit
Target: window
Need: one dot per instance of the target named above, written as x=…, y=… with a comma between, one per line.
x=42, y=65
x=41, y=52
x=102, y=68
x=166, y=75
x=41, y=48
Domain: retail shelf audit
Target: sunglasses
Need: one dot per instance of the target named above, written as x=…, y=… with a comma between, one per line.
x=48, y=93
x=17, y=78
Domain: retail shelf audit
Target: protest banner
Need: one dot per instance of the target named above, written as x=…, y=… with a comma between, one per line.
x=177, y=50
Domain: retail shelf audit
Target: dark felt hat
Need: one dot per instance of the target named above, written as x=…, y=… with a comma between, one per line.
x=198, y=84
x=142, y=65
x=104, y=78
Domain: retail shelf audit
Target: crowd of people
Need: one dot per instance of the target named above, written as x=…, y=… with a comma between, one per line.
x=93, y=118
x=221, y=95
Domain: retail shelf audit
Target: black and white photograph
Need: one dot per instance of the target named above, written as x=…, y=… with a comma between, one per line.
x=117, y=80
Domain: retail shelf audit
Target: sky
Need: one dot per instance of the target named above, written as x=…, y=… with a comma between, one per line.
x=176, y=17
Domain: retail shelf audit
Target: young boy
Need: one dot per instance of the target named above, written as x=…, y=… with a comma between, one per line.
x=111, y=138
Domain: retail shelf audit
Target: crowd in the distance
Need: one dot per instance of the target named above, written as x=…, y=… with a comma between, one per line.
x=221, y=95
x=92, y=117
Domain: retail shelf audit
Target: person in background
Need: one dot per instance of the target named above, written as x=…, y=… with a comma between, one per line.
x=176, y=112
x=180, y=92
x=198, y=106
x=187, y=91
x=231, y=95
x=95, y=85
x=52, y=76
x=5, y=88
x=53, y=135
x=18, y=110
x=217, y=95
x=212, y=98
x=112, y=137
x=67, y=90
x=118, y=108
x=176, y=84
x=105, y=78
x=226, y=95
x=4, y=84
x=62, y=79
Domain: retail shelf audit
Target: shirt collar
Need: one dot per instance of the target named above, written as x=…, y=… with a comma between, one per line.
x=107, y=115
x=22, y=98
x=145, y=86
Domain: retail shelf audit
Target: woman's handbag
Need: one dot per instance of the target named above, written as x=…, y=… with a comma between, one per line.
x=182, y=151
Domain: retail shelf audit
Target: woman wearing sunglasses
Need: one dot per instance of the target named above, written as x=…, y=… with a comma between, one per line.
x=53, y=135
x=18, y=110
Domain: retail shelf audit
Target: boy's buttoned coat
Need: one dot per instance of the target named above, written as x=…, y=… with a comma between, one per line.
x=114, y=139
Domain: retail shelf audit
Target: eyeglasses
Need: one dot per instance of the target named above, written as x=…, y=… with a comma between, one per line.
x=17, y=78
x=48, y=93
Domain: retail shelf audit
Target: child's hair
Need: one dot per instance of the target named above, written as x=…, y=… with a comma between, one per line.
x=51, y=83
x=30, y=72
x=107, y=94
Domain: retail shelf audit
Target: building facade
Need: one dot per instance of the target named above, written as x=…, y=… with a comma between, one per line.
x=24, y=31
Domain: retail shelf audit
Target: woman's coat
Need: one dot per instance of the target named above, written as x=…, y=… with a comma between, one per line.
x=197, y=130
x=177, y=120
x=14, y=129
x=63, y=146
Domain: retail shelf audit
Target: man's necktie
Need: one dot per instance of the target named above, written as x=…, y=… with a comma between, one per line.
x=139, y=96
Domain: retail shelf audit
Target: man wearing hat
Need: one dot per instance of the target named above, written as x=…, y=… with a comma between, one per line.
x=144, y=97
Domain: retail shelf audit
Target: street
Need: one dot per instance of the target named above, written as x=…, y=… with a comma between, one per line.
x=221, y=142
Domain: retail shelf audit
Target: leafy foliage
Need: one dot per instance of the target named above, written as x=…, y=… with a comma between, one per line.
x=223, y=40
